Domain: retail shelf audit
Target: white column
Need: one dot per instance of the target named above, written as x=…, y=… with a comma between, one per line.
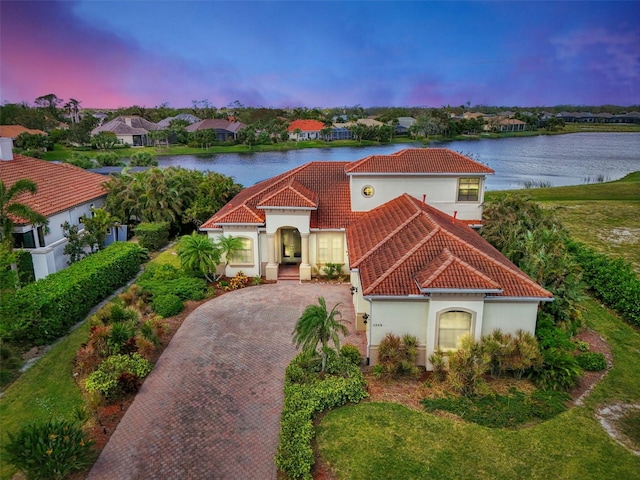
x=305, y=268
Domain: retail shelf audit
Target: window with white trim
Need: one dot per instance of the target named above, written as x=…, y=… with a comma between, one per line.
x=468, y=189
x=330, y=249
x=243, y=255
x=452, y=325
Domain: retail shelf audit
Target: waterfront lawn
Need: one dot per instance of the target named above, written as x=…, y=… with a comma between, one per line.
x=385, y=440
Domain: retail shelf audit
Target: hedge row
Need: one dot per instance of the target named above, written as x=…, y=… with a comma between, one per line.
x=613, y=281
x=153, y=236
x=301, y=403
x=45, y=310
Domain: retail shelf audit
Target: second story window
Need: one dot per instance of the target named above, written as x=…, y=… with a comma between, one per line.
x=469, y=190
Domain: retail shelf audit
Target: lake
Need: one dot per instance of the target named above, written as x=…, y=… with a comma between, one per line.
x=570, y=159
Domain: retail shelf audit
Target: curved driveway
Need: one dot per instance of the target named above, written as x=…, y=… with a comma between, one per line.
x=211, y=407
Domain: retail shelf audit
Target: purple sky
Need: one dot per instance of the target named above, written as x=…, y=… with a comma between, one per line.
x=321, y=54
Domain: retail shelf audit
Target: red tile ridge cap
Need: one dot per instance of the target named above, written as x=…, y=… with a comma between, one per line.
x=451, y=258
x=296, y=187
x=402, y=259
x=506, y=266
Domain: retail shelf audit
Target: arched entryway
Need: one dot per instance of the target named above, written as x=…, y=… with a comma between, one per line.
x=290, y=246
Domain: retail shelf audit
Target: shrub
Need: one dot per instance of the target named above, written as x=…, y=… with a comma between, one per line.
x=467, y=365
x=119, y=335
x=559, y=370
x=332, y=270
x=351, y=353
x=613, y=281
x=44, y=310
x=239, y=281
x=108, y=379
x=153, y=236
x=582, y=346
x=438, y=363
x=591, y=361
x=186, y=288
x=499, y=346
x=167, y=305
x=143, y=159
x=303, y=401
x=10, y=363
x=525, y=354
x=398, y=355
x=24, y=263
x=53, y=449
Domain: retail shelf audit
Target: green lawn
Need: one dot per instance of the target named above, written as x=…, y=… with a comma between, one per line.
x=383, y=440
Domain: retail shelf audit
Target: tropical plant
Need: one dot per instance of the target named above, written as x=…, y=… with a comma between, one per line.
x=97, y=226
x=199, y=253
x=317, y=325
x=397, y=355
x=229, y=245
x=467, y=365
x=12, y=211
x=49, y=450
x=143, y=159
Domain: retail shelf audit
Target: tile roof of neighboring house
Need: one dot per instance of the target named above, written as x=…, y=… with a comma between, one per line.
x=12, y=131
x=127, y=125
x=60, y=186
x=511, y=121
x=418, y=160
x=406, y=247
x=215, y=124
x=306, y=125
x=322, y=184
x=187, y=117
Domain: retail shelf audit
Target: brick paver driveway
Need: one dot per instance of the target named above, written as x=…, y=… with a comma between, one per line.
x=211, y=407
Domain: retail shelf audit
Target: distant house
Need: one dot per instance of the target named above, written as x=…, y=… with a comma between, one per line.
x=399, y=226
x=65, y=194
x=13, y=131
x=186, y=117
x=308, y=130
x=129, y=129
x=225, y=129
x=404, y=124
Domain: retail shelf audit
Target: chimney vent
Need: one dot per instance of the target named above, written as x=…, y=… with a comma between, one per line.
x=6, y=149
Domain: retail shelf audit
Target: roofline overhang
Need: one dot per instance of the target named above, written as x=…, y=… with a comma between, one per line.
x=239, y=224
x=287, y=208
x=370, y=298
x=210, y=229
x=318, y=230
x=519, y=299
x=460, y=290
x=419, y=174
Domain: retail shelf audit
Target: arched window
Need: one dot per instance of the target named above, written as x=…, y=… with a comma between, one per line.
x=452, y=325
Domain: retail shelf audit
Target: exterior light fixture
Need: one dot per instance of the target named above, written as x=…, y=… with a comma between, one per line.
x=353, y=290
x=365, y=317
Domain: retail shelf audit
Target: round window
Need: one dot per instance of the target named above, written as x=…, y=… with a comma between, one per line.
x=367, y=191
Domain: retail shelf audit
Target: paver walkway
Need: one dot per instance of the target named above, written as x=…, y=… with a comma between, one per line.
x=211, y=407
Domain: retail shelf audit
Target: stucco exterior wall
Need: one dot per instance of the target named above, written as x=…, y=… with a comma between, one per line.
x=509, y=316
x=441, y=192
x=252, y=269
x=276, y=219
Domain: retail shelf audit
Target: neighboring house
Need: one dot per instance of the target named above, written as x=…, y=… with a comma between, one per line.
x=404, y=124
x=129, y=129
x=308, y=130
x=65, y=194
x=13, y=131
x=399, y=224
x=187, y=117
x=225, y=129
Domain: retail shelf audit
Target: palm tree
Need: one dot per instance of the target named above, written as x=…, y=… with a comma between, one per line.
x=229, y=245
x=318, y=325
x=198, y=252
x=11, y=210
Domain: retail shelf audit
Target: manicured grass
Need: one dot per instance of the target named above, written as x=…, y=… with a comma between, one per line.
x=383, y=440
x=44, y=391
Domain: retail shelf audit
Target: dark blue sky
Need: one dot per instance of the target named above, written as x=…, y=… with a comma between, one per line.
x=321, y=54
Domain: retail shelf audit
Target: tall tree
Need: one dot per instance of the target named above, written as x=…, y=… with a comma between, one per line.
x=317, y=325
x=11, y=210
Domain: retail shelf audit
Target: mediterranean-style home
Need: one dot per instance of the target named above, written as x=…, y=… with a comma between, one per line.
x=65, y=194
x=400, y=226
x=305, y=129
x=130, y=130
x=13, y=131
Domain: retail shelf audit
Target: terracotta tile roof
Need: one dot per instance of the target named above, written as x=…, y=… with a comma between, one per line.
x=320, y=184
x=12, y=131
x=306, y=125
x=405, y=245
x=291, y=195
x=418, y=160
x=60, y=186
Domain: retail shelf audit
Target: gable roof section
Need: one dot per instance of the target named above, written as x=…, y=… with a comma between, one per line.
x=306, y=125
x=418, y=161
x=215, y=124
x=322, y=184
x=406, y=247
x=127, y=125
x=60, y=186
x=292, y=195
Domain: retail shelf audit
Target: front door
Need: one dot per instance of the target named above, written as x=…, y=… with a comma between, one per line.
x=291, y=245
